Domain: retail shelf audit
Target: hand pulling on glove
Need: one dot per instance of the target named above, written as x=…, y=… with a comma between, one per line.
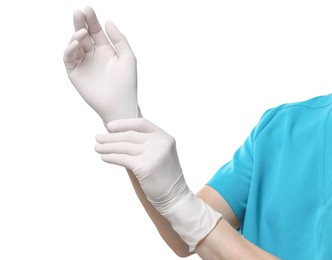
x=150, y=153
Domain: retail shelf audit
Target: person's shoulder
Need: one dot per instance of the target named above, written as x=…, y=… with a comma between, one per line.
x=312, y=103
x=315, y=103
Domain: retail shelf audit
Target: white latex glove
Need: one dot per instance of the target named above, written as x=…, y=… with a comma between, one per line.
x=103, y=70
x=150, y=153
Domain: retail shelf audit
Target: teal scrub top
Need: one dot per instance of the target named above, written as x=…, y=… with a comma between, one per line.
x=279, y=182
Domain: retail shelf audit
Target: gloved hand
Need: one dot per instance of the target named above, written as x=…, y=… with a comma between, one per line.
x=103, y=70
x=150, y=153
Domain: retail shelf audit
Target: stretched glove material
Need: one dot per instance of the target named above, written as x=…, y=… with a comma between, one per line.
x=150, y=153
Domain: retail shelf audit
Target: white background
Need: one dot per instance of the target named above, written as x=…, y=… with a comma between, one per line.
x=207, y=72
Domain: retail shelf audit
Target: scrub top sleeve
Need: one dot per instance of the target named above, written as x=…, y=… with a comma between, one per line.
x=232, y=181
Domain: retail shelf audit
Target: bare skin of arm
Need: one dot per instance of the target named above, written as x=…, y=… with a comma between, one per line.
x=164, y=228
x=223, y=242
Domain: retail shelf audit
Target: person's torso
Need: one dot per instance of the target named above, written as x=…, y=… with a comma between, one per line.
x=290, y=197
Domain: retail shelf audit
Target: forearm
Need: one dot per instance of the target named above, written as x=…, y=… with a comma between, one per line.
x=164, y=228
x=223, y=242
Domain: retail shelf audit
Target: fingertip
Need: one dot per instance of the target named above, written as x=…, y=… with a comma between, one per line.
x=80, y=35
x=104, y=157
x=98, y=138
x=97, y=146
x=77, y=12
x=69, y=52
x=88, y=10
x=75, y=43
x=83, y=32
x=111, y=126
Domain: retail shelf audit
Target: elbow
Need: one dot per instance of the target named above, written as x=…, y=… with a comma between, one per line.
x=179, y=248
x=182, y=252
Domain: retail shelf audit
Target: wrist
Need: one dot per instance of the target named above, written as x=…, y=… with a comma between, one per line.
x=137, y=114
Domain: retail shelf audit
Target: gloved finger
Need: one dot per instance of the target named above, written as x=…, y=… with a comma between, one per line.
x=124, y=160
x=83, y=37
x=73, y=55
x=119, y=148
x=79, y=20
x=94, y=28
x=129, y=136
x=118, y=40
x=135, y=124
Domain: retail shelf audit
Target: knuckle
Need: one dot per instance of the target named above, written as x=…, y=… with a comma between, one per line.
x=172, y=140
x=166, y=142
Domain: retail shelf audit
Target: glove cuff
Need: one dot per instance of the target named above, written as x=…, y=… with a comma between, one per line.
x=190, y=217
x=138, y=114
